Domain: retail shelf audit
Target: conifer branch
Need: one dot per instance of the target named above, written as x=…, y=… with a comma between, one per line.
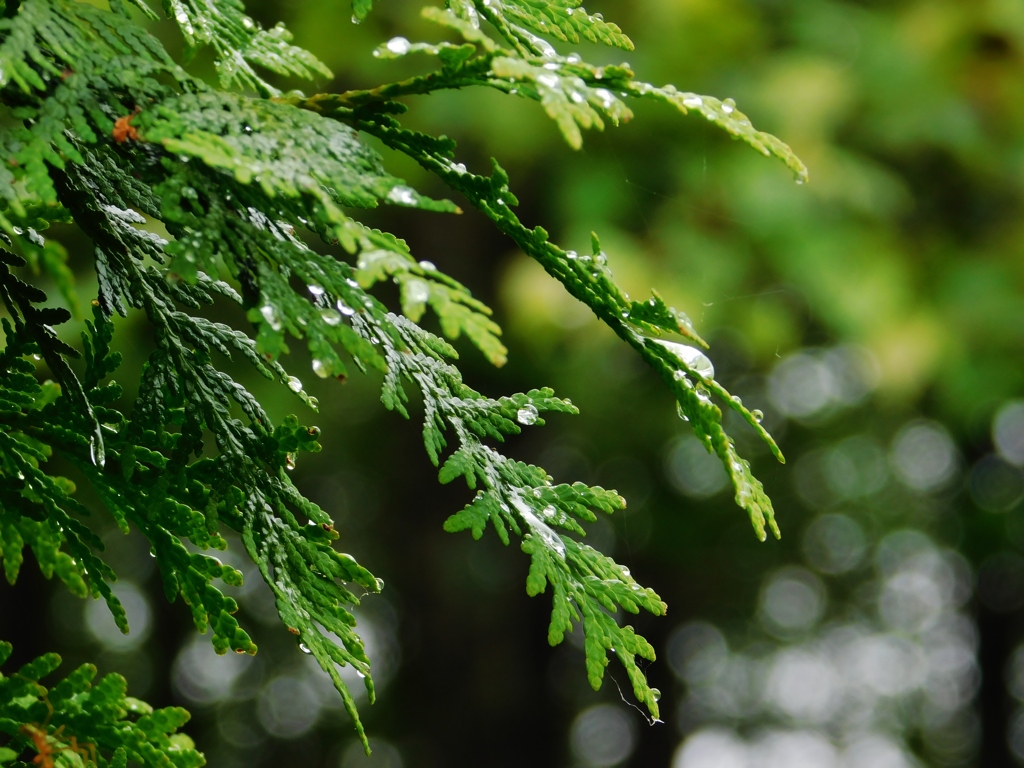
x=106, y=131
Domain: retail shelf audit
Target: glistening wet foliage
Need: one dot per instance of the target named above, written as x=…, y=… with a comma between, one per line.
x=870, y=315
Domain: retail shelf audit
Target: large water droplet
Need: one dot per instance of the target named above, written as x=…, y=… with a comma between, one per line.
x=380, y=584
x=399, y=46
x=417, y=291
x=527, y=415
x=97, y=452
x=345, y=309
x=402, y=195
x=294, y=384
x=270, y=315
x=758, y=415
x=330, y=316
x=606, y=96
x=321, y=368
x=694, y=360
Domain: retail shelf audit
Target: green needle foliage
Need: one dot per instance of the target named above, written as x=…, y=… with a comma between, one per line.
x=103, y=129
x=48, y=719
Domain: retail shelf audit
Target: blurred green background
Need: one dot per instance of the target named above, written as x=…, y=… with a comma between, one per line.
x=875, y=315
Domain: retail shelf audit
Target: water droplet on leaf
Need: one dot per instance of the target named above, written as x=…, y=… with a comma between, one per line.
x=97, y=452
x=402, y=195
x=399, y=46
x=538, y=527
x=417, y=291
x=330, y=316
x=527, y=415
x=702, y=393
x=694, y=360
x=270, y=315
x=679, y=410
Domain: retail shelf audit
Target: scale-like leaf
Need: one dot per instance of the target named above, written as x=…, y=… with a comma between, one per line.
x=194, y=196
x=77, y=721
